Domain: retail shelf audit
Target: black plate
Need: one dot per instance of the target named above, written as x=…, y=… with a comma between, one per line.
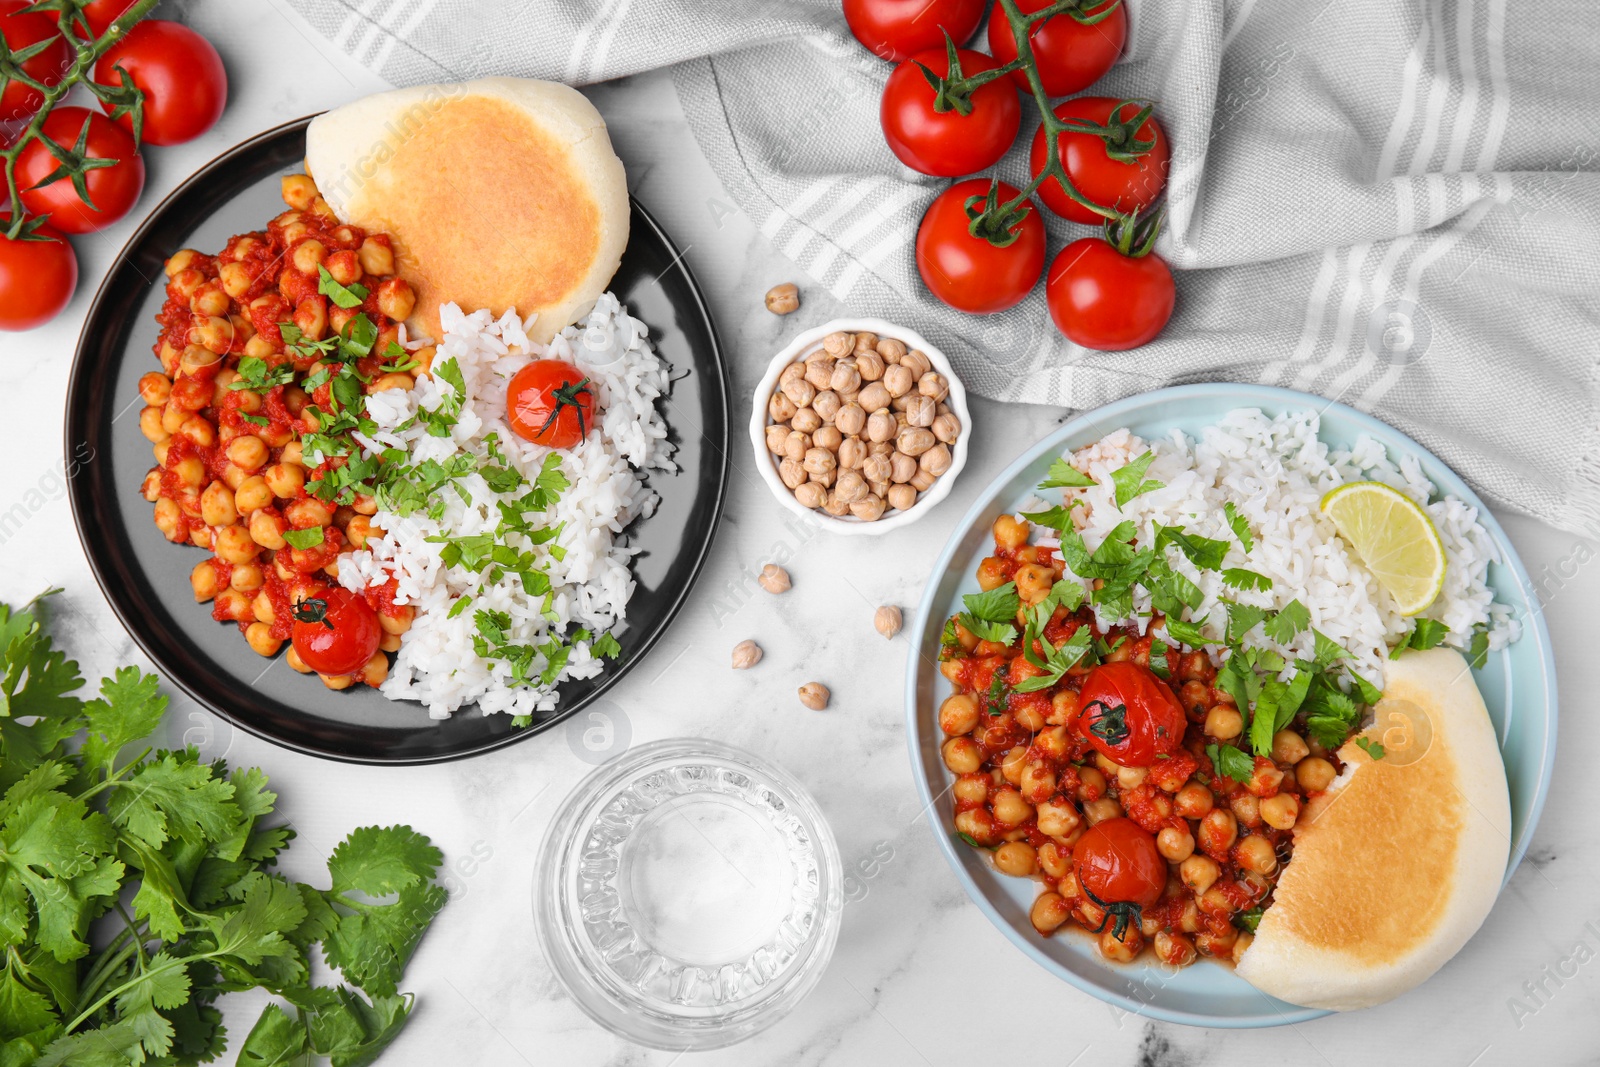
x=147, y=579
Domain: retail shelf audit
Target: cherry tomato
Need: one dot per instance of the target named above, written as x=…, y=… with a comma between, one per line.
x=1129, y=715
x=897, y=29
x=21, y=101
x=970, y=273
x=37, y=277
x=1117, y=861
x=113, y=190
x=549, y=403
x=102, y=13
x=947, y=143
x=335, y=632
x=1086, y=157
x=185, y=86
x=1070, y=55
x=1100, y=298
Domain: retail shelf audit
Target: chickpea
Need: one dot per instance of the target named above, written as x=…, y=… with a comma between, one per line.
x=1016, y=858
x=1218, y=830
x=947, y=428
x=971, y=788
x=962, y=755
x=311, y=317
x=376, y=670
x=1246, y=809
x=217, y=507
x=1289, y=747
x=1053, y=742
x=292, y=658
x=1281, y=811
x=1132, y=777
x=1193, y=801
x=1264, y=780
x=266, y=530
x=1174, y=844
x=345, y=267
x=252, y=495
x=1314, y=774
x=1038, y=781
x=1175, y=950
x=259, y=637
x=204, y=580
x=991, y=574
x=1009, y=807
x=1121, y=949
x=359, y=529
x=1098, y=811
x=308, y=512
x=1049, y=911
x=398, y=619
x=1199, y=873
x=248, y=452
x=284, y=480
x=299, y=191
x=1057, y=819
x=1255, y=853
x=881, y=427
x=377, y=257
x=394, y=380
x=1033, y=582
x=1224, y=723
x=231, y=605
x=977, y=824
x=150, y=425
x=234, y=545
x=1091, y=784
x=337, y=681
x=396, y=299
x=1012, y=765
x=247, y=578
x=958, y=715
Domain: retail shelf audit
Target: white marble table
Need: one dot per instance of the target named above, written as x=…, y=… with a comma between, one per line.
x=920, y=977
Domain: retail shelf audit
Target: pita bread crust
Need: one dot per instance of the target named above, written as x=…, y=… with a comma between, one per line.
x=1397, y=867
x=499, y=193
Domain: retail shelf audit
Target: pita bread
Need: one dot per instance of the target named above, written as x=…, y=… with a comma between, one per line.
x=499, y=193
x=1398, y=864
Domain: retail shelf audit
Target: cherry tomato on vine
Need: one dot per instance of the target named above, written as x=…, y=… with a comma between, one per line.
x=1116, y=861
x=1072, y=50
x=1106, y=299
x=1129, y=715
x=549, y=403
x=335, y=632
x=102, y=13
x=37, y=276
x=897, y=29
x=185, y=86
x=113, y=188
x=20, y=101
x=948, y=142
x=1111, y=161
x=972, y=273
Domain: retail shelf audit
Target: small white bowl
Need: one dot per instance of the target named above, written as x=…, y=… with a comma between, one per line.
x=849, y=524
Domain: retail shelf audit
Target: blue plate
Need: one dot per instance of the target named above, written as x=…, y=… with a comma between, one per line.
x=1207, y=993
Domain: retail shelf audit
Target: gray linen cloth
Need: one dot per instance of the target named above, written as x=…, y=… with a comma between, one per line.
x=1393, y=203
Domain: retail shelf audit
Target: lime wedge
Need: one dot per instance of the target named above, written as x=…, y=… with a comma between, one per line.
x=1395, y=539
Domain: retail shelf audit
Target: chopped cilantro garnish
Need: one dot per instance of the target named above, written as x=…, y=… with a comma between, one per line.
x=1207, y=553
x=1056, y=661
x=1478, y=651
x=1231, y=762
x=607, y=646
x=1371, y=748
x=310, y=537
x=255, y=373
x=1129, y=481
x=1158, y=659
x=1240, y=527
x=1188, y=633
x=1288, y=622
x=1425, y=634
x=345, y=296
x=1064, y=475
x=1242, y=618
x=1241, y=578
x=257, y=420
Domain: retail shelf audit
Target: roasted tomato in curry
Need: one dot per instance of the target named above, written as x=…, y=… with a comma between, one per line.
x=1129, y=715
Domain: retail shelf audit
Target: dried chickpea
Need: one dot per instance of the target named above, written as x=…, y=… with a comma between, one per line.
x=881, y=426
x=820, y=461
x=946, y=428
x=834, y=506
x=793, y=472
x=922, y=481
x=800, y=391
x=828, y=437
x=868, y=509
x=796, y=445
x=846, y=377
x=827, y=404
x=902, y=497
x=851, y=487
x=851, y=419
x=814, y=695
x=877, y=468
x=874, y=397
x=933, y=385
x=870, y=364
x=806, y=420
x=819, y=372
x=914, y=440
x=811, y=494
x=777, y=434
x=898, y=380
x=839, y=343
x=783, y=299
x=917, y=362
x=936, y=460
x=781, y=408
x=852, y=453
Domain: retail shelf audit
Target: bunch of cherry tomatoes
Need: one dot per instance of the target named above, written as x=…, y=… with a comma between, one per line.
x=951, y=111
x=76, y=170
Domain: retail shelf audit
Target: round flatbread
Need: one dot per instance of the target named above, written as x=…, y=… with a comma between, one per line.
x=1398, y=864
x=498, y=193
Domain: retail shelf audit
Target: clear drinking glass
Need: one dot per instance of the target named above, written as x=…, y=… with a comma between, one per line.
x=688, y=894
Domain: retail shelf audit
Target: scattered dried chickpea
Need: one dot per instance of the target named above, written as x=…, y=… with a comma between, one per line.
x=774, y=579
x=814, y=695
x=746, y=654
x=782, y=299
x=886, y=620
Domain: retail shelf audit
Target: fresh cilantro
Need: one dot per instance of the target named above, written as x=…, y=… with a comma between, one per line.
x=1370, y=694
x=344, y=296
x=1240, y=578
x=310, y=537
x=998, y=632
x=1170, y=591
x=1249, y=919
x=1129, y=481
x=1276, y=706
x=1057, y=518
x=607, y=646
x=1231, y=762
x=1206, y=553
x=297, y=343
x=461, y=604
x=1288, y=622
x=1424, y=634
x=990, y=613
x=1188, y=633
x=185, y=851
x=968, y=839
x=1328, y=651
x=255, y=373
x=1330, y=713
x=1056, y=661
x=1478, y=651
x=1371, y=748
x=1064, y=475
x=1242, y=618
x=1239, y=525
x=995, y=700
x=1158, y=659
x=256, y=420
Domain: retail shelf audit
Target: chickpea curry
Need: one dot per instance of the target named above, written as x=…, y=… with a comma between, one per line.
x=267, y=349
x=1151, y=790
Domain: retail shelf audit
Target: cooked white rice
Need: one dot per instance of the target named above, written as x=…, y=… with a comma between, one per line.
x=1276, y=471
x=591, y=583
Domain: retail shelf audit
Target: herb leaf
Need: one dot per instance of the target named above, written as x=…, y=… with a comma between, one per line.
x=1239, y=525
x=1425, y=634
x=1231, y=762
x=344, y=296
x=1288, y=622
x=1063, y=475
x=1240, y=578
x=1129, y=480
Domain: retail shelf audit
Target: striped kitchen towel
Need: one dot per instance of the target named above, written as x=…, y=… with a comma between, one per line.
x=1393, y=203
